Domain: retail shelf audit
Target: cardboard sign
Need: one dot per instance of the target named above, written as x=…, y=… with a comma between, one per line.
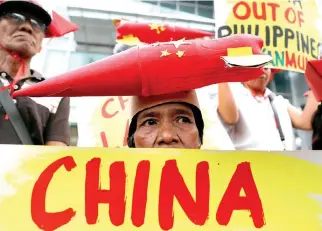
x=103, y=121
x=289, y=28
x=68, y=189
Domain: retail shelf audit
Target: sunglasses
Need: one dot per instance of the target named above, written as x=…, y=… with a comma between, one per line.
x=20, y=19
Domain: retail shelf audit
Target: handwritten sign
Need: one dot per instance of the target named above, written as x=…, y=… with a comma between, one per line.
x=289, y=28
x=58, y=188
x=103, y=121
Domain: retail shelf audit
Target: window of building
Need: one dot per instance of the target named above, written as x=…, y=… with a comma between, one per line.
x=201, y=8
x=151, y=2
x=170, y=5
x=187, y=2
x=206, y=3
x=187, y=8
x=205, y=8
x=206, y=12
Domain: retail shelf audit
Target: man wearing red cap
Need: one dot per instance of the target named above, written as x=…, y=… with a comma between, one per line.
x=256, y=119
x=166, y=121
x=23, y=26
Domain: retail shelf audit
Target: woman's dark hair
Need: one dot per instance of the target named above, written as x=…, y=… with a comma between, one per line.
x=196, y=113
x=317, y=129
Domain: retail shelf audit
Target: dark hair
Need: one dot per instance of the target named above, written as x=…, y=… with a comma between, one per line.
x=317, y=129
x=196, y=113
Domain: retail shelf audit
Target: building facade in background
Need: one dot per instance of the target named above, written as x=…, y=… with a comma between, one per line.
x=96, y=38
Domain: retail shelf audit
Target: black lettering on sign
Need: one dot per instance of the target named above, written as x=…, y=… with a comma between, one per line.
x=289, y=35
x=298, y=41
x=268, y=36
x=305, y=43
x=224, y=31
x=314, y=48
x=277, y=33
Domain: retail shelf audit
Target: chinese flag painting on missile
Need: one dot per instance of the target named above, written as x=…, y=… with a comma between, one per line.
x=132, y=33
x=153, y=69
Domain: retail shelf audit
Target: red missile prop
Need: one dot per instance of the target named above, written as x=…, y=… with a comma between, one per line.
x=313, y=75
x=160, y=68
x=132, y=33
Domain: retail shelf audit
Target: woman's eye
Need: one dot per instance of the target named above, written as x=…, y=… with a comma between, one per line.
x=183, y=119
x=149, y=122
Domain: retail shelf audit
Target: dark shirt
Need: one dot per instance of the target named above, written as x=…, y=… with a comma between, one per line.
x=46, y=118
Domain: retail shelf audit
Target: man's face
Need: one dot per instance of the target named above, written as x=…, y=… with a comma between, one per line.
x=167, y=126
x=260, y=83
x=21, y=36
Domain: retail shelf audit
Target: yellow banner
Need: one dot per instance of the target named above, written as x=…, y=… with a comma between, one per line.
x=289, y=28
x=68, y=189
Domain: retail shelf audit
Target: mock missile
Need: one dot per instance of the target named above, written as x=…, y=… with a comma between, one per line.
x=160, y=68
x=313, y=75
x=132, y=33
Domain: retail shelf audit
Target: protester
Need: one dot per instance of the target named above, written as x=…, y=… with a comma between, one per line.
x=166, y=121
x=23, y=26
x=247, y=112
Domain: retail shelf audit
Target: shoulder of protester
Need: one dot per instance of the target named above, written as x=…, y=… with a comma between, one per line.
x=34, y=78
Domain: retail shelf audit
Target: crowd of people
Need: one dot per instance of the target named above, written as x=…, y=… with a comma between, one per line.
x=252, y=115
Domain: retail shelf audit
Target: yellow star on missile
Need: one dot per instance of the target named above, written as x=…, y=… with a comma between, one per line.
x=129, y=40
x=157, y=27
x=165, y=53
x=180, y=42
x=180, y=53
x=154, y=26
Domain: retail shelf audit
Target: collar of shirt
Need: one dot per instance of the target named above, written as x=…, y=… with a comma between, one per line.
x=33, y=79
x=258, y=98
